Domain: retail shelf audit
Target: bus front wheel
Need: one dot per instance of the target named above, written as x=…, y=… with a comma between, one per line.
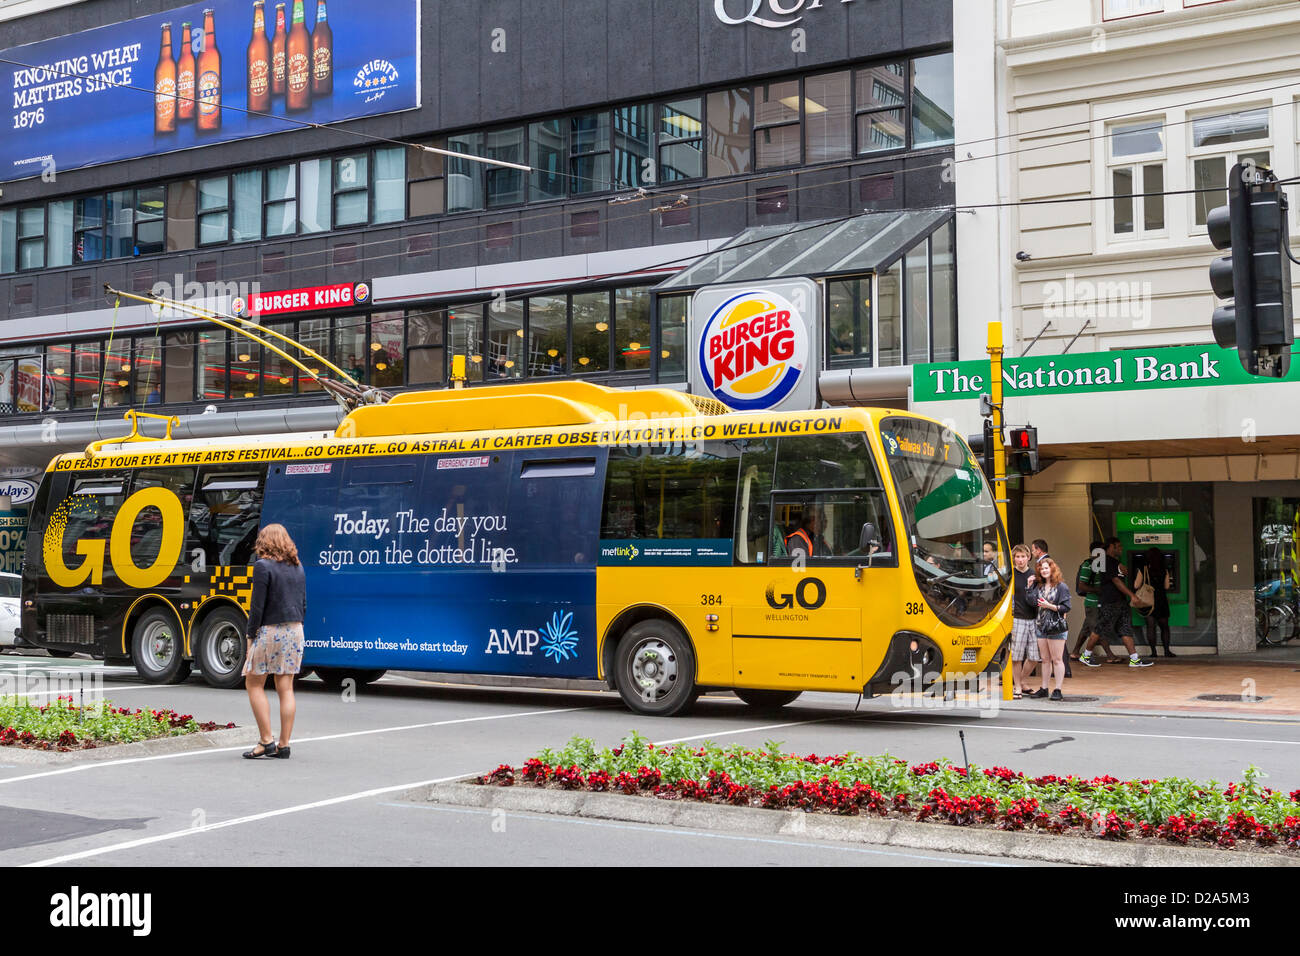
x=156, y=648
x=221, y=648
x=767, y=699
x=654, y=668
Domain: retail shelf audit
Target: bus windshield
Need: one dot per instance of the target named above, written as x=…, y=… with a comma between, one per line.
x=959, y=551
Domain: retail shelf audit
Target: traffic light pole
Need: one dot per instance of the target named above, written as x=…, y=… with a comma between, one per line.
x=999, y=457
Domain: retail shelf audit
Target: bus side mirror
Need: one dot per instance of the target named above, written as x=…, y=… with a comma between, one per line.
x=867, y=538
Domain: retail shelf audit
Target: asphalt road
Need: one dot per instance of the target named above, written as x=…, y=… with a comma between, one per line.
x=338, y=799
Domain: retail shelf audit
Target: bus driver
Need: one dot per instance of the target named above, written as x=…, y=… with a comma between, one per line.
x=806, y=538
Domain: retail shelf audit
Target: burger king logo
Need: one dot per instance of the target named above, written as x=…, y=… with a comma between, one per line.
x=753, y=350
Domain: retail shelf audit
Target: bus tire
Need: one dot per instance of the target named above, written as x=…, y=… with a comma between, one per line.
x=654, y=668
x=767, y=699
x=156, y=648
x=221, y=648
x=333, y=677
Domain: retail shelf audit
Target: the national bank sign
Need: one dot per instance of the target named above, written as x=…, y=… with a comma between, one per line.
x=773, y=14
x=1180, y=366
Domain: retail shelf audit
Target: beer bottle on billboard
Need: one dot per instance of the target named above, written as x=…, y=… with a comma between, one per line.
x=298, y=64
x=278, y=51
x=209, y=79
x=322, y=54
x=185, y=77
x=259, y=62
x=164, y=86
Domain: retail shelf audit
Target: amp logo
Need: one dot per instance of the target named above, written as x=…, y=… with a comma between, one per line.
x=557, y=638
x=521, y=642
x=809, y=594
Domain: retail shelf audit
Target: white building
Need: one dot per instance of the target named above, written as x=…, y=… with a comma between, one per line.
x=1065, y=109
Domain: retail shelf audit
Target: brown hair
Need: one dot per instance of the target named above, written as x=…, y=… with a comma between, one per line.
x=1054, y=573
x=1022, y=549
x=274, y=542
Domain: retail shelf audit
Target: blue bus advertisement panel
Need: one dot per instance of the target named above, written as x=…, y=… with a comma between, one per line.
x=456, y=563
x=117, y=92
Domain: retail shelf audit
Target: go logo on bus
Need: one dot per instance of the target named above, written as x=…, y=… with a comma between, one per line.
x=92, y=551
x=753, y=350
x=809, y=602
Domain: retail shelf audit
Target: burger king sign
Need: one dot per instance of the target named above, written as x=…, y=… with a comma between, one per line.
x=753, y=347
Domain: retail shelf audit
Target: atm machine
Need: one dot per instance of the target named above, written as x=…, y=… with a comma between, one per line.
x=1171, y=532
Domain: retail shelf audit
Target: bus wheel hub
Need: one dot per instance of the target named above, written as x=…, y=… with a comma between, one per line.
x=654, y=668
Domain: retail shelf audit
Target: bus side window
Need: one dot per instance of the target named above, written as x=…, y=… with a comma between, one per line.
x=754, y=504
x=682, y=493
x=226, y=517
x=146, y=533
x=90, y=508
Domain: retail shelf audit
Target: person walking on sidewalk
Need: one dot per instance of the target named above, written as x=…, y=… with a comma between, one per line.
x=1157, y=575
x=1024, y=639
x=1087, y=584
x=1051, y=598
x=1113, y=613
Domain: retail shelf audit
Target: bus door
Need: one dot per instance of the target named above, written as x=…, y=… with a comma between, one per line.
x=818, y=536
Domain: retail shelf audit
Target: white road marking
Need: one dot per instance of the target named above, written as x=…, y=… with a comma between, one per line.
x=669, y=830
x=987, y=725
x=77, y=768
x=237, y=821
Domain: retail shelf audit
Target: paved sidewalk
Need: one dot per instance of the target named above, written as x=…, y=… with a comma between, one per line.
x=1174, y=686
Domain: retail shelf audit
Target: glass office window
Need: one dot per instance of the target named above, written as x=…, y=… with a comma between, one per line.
x=425, y=358
x=849, y=321
x=315, y=334
x=881, y=98
x=776, y=124
x=8, y=240
x=213, y=379
x=632, y=152
x=505, y=186
x=632, y=344
x=146, y=371
x=681, y=139
x=350, y=346
x=351, y=190
x=150, y=222
x=315, y=197
x=548, y=335
x=828, y=117
x=730, y=119
x=464, y=178
x=245, y=368
x=917, y=301
x=60, y=240
x=390, y=185
x=182, y=197
x=889, y=299
x=933, y=101
x=281, y=200
x=465, y=337
x=31, y=237
x=117, y=373
x=548, y=152
x=178, y=373
x=673, y=312
x=386, y=349
x=589, y=165
x=424, y=182
x=58, y=377
x=505, y=347
x=278, y=372
x=943, y=307
x=214, y=210
x=88, y=229
x=246, y=218
x=591, y=332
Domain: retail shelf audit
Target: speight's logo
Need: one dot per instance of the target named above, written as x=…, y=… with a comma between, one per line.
x=753, y=350
x=374, y=79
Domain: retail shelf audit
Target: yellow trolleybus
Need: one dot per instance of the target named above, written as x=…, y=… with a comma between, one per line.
x=563, y=531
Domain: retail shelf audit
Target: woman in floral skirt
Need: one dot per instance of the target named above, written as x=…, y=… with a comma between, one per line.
x=279, y=606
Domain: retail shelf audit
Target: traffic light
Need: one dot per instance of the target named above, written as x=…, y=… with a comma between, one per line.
x=1024, y=450
x=982, y=445
x=1257, y=275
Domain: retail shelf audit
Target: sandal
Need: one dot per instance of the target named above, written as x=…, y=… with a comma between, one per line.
x=269, y=749
x=282, y=752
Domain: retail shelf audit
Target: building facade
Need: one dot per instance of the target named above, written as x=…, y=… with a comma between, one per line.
x=1117, y=123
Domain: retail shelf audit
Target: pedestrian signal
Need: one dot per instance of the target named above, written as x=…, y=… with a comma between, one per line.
x=1024, y=450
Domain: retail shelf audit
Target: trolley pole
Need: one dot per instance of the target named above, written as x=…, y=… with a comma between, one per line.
x=999, y=457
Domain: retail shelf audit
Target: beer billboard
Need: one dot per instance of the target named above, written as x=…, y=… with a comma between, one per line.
x=206, y=73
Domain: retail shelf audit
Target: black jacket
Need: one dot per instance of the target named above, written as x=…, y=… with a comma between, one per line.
x=279, y=595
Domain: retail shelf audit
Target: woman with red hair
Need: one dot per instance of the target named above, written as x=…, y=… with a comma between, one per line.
x=275, y=636
x=1052, y=598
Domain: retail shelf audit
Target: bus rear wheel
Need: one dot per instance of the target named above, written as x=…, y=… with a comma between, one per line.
x=156, y=649
x=767, y=699
x=221, y=648
x=654, y=668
